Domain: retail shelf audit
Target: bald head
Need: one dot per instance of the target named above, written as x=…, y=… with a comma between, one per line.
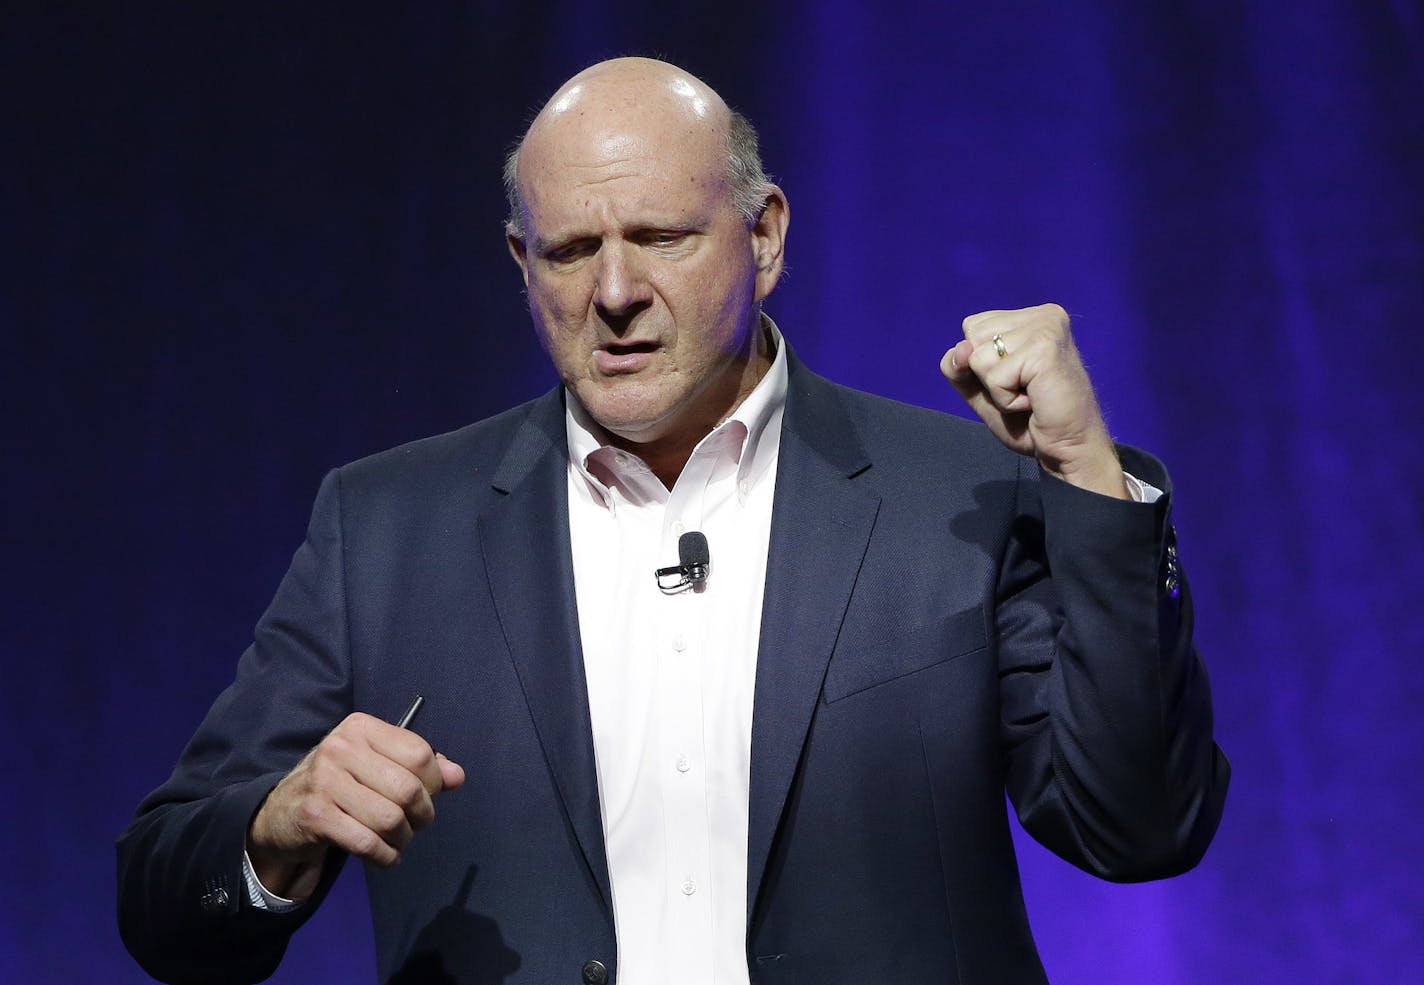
x=646, y=253
x=611, y=106
x=643, y=84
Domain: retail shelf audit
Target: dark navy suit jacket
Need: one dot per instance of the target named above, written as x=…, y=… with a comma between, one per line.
x=939, y=623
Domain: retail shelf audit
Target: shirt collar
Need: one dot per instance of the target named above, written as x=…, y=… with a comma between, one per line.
x=751, y=434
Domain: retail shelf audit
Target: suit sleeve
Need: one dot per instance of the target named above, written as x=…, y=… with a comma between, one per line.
x=1107, y=719
x=182, y=906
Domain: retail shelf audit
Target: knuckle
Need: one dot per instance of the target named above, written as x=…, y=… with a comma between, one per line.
x=366, y=844
x=424, y=756
x=323, y=779
x=312, y=813
x=420, y=764
x=334, y=748
x=975, y=326
x=388, y=818
x=406, y=789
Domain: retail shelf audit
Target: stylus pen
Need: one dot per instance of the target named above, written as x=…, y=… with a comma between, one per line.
x=410, y=712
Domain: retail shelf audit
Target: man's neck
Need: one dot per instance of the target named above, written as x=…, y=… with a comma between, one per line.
x=667, y=455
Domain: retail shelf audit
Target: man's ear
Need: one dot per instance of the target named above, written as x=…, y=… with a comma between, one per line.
x=516, y=250
x=769, y=240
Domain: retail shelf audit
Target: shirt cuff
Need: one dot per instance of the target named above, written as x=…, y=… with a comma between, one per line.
x=257, y=894
x=1141, y=492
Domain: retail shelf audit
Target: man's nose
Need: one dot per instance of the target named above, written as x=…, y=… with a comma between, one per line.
x=621, y=287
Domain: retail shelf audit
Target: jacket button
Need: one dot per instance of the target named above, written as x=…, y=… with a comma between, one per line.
x=594, y=973
x=214, y=901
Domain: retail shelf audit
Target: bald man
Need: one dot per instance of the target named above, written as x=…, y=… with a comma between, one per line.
x=787, y=768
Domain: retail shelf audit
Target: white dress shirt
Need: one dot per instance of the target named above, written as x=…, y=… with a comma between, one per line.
x=671, y=678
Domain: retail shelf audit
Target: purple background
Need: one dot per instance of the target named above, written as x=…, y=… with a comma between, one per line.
x=240, y=244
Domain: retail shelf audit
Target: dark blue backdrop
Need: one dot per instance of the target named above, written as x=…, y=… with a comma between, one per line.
x=244, y=243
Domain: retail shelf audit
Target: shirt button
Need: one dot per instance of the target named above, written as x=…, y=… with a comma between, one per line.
x=621, y=458
x=689, y=887
x=679, y=528
x=678, y=643
x=683, y=764
x=744, y=487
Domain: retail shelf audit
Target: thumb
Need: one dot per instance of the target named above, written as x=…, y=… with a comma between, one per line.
x=955, y=367
x=452, y=774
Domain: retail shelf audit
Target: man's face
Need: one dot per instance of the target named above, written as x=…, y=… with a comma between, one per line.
x=643, y=279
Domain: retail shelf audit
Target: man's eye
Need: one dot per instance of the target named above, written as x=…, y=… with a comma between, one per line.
x=665, y=238
x=569, y=253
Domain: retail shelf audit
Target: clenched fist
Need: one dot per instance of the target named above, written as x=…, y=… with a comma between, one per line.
x=1020, y=372
x=366, y=788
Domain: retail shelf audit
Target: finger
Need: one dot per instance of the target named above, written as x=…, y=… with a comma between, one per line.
x=452, y=774
x=335, y=809
x=350, y=834
x=980, y=327
x=385, y=758
x=387, y=819
x=408, y=749
x=394, y=783
x=955, y=367
x=1000, y=378
x=977, y=327
x=980, y=403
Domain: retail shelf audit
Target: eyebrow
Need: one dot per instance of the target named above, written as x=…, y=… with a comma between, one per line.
x=541, y=245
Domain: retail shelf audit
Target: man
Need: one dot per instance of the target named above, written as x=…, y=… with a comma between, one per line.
x=791, y=770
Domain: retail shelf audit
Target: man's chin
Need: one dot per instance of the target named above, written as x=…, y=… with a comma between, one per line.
x=634, y=422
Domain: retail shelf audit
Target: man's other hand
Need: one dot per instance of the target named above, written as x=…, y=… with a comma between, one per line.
x=366, y=788
x=1020, y=372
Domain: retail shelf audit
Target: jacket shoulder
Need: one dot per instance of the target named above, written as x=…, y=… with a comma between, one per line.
x=437, y=462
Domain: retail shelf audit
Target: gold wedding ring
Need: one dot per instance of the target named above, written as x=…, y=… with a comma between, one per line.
x=999, y=346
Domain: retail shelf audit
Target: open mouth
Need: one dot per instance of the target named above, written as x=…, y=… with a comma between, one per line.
x=628, y=349
x=624, y=357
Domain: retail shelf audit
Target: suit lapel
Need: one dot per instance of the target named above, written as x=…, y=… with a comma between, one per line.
x=821, y=524
x=529, y=567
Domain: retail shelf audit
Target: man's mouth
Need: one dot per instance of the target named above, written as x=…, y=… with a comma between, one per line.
x=624, y=357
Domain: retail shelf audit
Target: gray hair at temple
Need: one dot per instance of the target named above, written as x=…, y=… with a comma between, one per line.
x=749, y=182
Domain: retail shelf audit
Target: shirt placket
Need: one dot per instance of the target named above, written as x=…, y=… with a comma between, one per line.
x=681, y=750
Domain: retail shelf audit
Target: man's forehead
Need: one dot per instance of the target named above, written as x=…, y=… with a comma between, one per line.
x=569, y=200
x=630, y=132
x=603, y=141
